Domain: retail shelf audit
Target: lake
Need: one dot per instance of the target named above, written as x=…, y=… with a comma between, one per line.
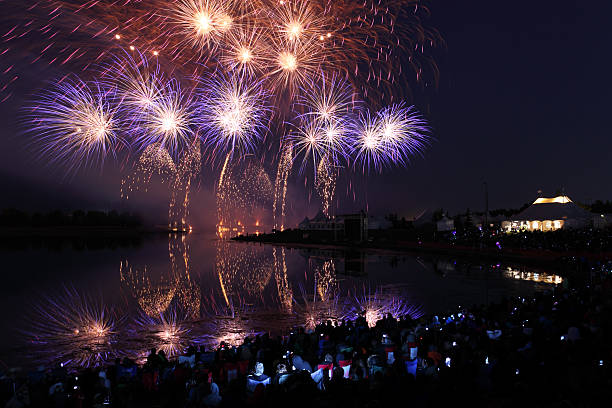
x=80, y=304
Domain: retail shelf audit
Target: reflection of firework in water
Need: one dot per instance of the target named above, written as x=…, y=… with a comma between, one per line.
x=74, y=329
x=155, y=294
x=283, y=287
x=311, y=313
x=325, y=280
x=378, y=305
x=167, y=331
x=242, y=270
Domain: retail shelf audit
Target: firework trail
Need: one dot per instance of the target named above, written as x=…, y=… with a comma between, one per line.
x=325, y=184
x=156, y=161
x=188, y=170
x=285, y=164
x=243, y=190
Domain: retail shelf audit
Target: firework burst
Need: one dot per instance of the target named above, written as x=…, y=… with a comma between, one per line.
x=233, y=113
x=169, y=121
x=394, y=135
x=74, y=124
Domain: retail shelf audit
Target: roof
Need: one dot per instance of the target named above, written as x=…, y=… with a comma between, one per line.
x=554, y=208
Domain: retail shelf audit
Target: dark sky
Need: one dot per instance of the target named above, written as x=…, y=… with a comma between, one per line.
x=522, y=103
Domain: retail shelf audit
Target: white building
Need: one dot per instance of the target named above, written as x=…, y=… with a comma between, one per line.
x=549, y=214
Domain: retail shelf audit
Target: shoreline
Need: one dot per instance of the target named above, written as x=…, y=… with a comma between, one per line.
x=525, y=256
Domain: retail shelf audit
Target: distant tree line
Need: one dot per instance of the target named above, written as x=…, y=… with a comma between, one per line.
x=12, y=217
x=602, y=207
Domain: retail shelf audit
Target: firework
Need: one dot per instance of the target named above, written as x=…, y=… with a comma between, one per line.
x=391, y=137
x=243, y=189
x=203, y=23
x=233, y=113
x=169, y=120
x=285, y=164
x=325, y=184
x=246, y=51
x=368, y=42
x=310, y=141
x=328, y=99
x=139, y=84
x=74, y=124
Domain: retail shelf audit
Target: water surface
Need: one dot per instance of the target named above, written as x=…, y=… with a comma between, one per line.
x=83, y=305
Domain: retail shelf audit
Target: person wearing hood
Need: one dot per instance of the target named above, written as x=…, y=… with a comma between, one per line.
x=258, y=377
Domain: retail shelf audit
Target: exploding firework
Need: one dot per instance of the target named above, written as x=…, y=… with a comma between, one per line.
x=169, y=120
x=233, y=113
x=368, y=42
x=391, y=137
x=74, y=124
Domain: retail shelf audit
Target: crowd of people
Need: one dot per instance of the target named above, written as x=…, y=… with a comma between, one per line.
x=577, y=240
x=554, y=349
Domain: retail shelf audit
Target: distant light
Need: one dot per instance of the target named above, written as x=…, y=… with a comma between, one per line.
x=156, y=53
x=117, y=37
x=132, y=47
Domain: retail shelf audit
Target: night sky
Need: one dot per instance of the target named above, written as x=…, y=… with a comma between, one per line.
x=522, y=103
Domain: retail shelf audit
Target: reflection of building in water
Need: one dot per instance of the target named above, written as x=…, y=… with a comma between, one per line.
x=155, y=294
x=533, y=276
x=549, y=214
x=283, y=287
